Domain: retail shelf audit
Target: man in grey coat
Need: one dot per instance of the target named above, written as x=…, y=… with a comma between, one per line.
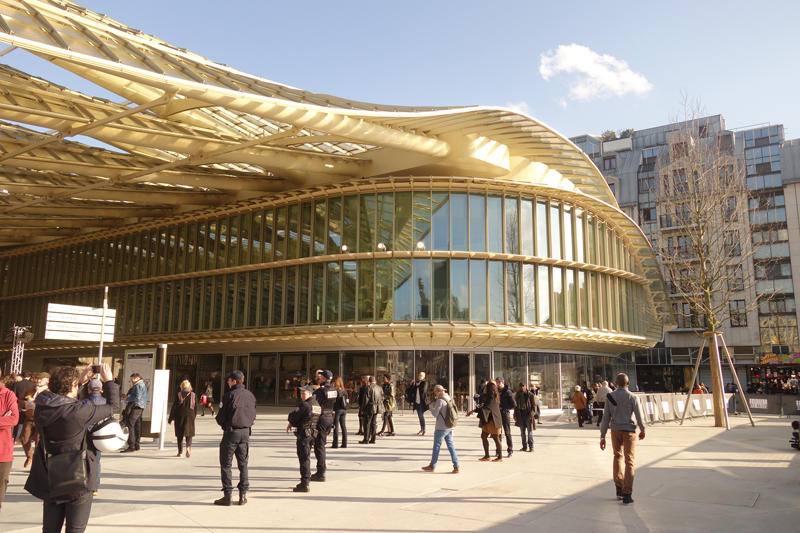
x=373, y=406
x=620, y=407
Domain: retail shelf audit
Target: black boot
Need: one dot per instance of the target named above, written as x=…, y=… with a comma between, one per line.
x=242, y=498
x=318, y=476
x=225, y=500
x=301, y=487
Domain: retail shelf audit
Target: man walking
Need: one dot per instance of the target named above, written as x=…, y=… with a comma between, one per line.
x=442, y=432
x=236, y=416
x=507, y=406
x=525, y=411
x=620, y=407
x=135, y=402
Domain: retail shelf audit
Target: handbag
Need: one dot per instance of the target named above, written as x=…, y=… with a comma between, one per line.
x=204, y=399
x=66, y=472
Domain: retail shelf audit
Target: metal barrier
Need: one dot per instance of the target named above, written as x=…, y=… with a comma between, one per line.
x=790, y=403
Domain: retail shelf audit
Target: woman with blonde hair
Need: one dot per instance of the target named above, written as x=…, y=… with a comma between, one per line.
x=579, y=400
x=183, y=412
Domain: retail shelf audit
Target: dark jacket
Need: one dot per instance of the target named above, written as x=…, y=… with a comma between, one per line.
x=373, y=403
x=20, y=387
x=507, y=401
x=183, y=414
x=524, y=401
x=422, y=387
x=238, y=409
x=62, y=423
x=491, y=411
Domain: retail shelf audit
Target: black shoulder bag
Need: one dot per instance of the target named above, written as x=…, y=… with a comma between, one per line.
x=66, y=472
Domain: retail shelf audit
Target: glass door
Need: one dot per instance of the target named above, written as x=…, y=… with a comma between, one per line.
x=291, y=376
x=237, y=362
x=462, y=382
x=354, y=366
x=263, y=369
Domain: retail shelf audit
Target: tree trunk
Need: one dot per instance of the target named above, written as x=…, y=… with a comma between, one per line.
x=717, y=385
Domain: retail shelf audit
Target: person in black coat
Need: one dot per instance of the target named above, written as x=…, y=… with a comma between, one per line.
x=418, y=396
x=183, y=413
x=507, y=406
x=236, y=416
x=62, y=421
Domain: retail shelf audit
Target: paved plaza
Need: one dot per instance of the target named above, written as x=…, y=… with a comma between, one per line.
x=691, y=478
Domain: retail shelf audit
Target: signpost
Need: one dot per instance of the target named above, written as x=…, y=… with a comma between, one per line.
x=76, y=323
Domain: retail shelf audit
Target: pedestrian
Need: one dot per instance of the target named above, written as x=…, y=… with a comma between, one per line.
x=418, y=397
x=135, y=402
x=441, y=431
x=600, y=400
x=207, y=399
x=236, y=415
x=62, y=420
x=95, y=397
x=507, y=406
x=373, y=406
x=21, y=384
x=183, y=413
x=579, y=401
x=27, y=407
x=362, y=397
x=326, y=396
x=9, y=416
x=523, y=416
x=304, y=419
x=389, y=405
x=589, y=393
x=340, y=414
x=490, y=420
x=621, y=406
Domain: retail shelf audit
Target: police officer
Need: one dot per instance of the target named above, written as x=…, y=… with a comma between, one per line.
x=236, y=415
x=305, y=419
x=326, y=396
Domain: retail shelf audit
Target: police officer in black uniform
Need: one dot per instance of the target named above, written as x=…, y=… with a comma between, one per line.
x=236, y=415
x=305, y=419
x=326, y=396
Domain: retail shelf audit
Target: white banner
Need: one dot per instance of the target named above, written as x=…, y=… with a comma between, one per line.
x=77, y=336
x=160, y=391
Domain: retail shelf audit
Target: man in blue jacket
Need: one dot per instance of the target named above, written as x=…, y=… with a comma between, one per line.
x=136, y=401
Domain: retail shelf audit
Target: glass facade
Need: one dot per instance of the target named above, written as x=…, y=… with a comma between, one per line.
x=276, y=267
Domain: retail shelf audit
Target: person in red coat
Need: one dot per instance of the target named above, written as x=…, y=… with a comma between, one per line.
x=9, y=416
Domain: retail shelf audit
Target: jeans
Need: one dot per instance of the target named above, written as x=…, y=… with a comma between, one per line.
x=75, y=513
x=237, y=442
x=387, y=422
x=135, y=425
x=624, y=445
x=527, y=432
x=507, y=429
x=589, y=413
x=447, y=436
x=421, y=415
x=339, y=420
x=321, y=440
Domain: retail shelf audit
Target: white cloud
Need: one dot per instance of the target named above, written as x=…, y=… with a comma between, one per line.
x=561, y=102
x=521, y=107
x=598, y=76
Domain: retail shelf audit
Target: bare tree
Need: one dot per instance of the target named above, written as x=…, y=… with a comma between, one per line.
x=705, y=232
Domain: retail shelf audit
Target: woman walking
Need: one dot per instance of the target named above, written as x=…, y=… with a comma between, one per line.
x=208, y=398
x=579, y=400
x=184, y=412
x=339, y=413
x=62, y=422
x=490, y=421
x=389, y=405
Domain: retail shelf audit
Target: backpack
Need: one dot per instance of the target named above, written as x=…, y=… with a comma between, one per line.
x=451, y=418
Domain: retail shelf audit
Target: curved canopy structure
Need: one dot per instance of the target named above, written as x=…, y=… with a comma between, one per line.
x=191, y=134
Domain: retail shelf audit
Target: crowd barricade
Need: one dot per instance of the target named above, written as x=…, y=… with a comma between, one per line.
x=763, y=404
x=790, y=404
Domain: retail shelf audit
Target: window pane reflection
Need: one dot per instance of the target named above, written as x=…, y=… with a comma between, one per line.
x=478, y=290
x=497, y=311
x=477, y=222
x=459, y=283
x=422, y=289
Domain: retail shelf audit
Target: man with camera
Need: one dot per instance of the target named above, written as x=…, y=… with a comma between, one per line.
x=236, y=415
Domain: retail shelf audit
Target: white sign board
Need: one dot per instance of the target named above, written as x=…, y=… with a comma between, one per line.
x=77, y=323
x=665, y=407
x=696, y=404
x=140, y=362
x=708, y=403
x=649, y=408
x=680, y=406
x=160, y=391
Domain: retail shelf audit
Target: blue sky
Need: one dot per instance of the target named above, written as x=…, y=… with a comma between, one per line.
x=580, y=67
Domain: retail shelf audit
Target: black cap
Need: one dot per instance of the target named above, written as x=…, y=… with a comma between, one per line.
x=327, y=374
x=236, y=374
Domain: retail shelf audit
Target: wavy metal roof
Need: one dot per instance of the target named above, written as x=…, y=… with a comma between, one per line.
x=193, y=133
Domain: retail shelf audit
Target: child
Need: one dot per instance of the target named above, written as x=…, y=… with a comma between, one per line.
x=795, y=435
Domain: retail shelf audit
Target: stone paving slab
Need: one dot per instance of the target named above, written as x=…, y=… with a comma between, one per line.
x=690, y=478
